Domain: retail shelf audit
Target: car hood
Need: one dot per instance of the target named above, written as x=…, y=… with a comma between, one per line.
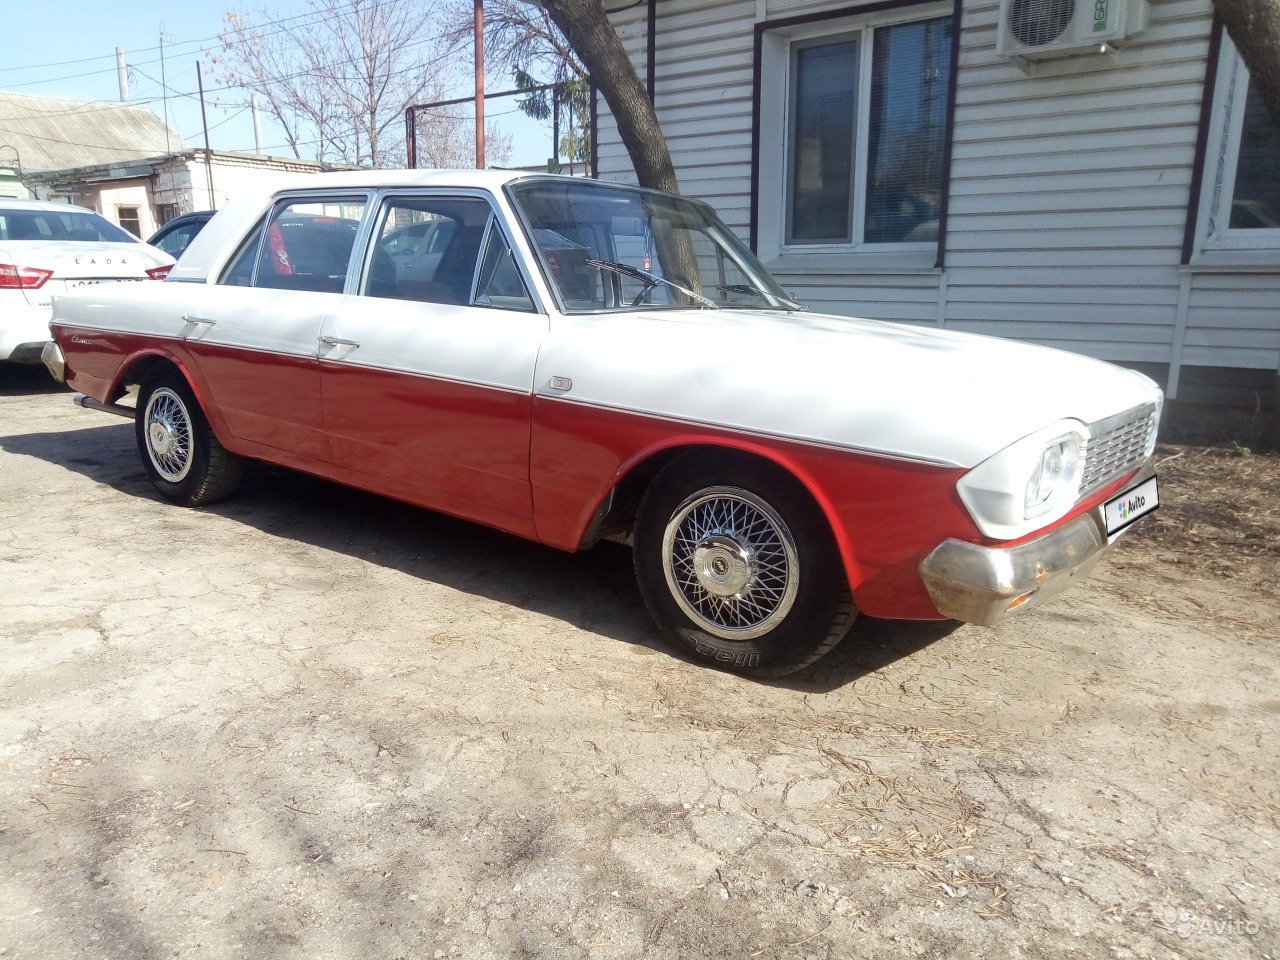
x=916, y=393
x=75, y=260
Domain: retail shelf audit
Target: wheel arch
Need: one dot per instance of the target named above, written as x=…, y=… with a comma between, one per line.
x=615, y=513
x=139, y=365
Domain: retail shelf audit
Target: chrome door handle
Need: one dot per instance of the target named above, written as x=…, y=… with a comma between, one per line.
x=339, y=342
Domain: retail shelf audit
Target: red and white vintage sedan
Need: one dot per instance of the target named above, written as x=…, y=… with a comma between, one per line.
x=570, y=360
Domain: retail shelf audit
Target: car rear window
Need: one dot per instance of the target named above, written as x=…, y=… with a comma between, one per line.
x=73, y=226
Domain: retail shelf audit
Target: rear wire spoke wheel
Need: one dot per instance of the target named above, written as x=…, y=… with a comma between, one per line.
x=178, y=448
x=168, y=429
x=742, y=573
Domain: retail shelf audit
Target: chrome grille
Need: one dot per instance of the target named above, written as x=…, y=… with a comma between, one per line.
x=1117, y=445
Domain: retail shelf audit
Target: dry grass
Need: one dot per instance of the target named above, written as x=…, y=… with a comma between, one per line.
x=1219, y=514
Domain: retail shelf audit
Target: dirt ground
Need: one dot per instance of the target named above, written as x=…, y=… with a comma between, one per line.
x=310, y=723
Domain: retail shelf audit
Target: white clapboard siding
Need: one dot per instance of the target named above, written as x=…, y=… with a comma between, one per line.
x=1068, y=193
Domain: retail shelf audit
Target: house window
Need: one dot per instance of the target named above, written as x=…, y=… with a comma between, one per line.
x=1240, y=193
x=853, y=132
x=128, y=218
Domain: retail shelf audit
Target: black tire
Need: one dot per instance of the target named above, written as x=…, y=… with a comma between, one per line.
x=179, y=451
x=772, y=596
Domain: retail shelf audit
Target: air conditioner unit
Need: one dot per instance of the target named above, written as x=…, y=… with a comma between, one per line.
x=1039, y=29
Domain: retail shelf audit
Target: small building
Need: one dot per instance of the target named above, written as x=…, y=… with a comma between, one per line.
x=11, y=184
x=122, y=161
x=1095, y=175
x=145, y=193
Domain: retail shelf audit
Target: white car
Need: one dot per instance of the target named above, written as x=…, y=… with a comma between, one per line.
x=48, y=248
x=587, y=361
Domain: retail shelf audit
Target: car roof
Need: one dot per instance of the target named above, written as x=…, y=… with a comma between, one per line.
x=16, y=204
x=487, y=179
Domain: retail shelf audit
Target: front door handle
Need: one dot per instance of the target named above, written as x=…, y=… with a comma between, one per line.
x=339, y=342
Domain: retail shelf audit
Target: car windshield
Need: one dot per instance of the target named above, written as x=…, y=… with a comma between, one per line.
x=605, y=247
x=65, y=225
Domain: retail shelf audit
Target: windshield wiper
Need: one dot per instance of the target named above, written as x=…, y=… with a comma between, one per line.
x=651, y=281
x=744, y=288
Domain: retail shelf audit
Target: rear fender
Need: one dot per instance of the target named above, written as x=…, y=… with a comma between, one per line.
x=136, y=365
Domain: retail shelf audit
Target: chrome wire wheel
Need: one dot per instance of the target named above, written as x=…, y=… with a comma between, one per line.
x=730, y=563
x=168, y=433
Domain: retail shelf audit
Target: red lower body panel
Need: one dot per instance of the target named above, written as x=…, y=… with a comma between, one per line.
x=887, y=515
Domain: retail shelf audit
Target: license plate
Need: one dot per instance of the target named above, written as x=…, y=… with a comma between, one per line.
x=90, y=281
x=1129, y=506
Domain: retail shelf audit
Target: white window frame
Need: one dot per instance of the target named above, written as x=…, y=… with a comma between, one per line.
x=1216, y=242
x=775, y=147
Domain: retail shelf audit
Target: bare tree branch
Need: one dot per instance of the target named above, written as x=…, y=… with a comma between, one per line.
x=341, y=80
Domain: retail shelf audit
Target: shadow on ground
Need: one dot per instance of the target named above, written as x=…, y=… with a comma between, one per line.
x=594, y=590
x=27, y=379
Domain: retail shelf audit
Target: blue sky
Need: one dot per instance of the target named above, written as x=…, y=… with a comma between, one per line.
x=66, y=48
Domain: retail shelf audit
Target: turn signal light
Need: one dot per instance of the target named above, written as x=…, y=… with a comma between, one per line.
x=159, y=273
x=22, y=278
x=1018, y=601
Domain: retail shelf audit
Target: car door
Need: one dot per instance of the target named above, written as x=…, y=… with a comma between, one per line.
x=254, y=334
x=427, y=369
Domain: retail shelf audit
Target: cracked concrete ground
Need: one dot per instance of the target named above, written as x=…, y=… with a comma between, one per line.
x=310, y=723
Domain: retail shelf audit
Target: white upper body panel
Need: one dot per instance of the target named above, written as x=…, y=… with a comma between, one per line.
x=908, y=392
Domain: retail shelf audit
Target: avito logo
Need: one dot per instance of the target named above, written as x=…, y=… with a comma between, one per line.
x=1127, y=507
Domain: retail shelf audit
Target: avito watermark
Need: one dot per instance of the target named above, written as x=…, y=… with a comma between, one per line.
x=1187, y=925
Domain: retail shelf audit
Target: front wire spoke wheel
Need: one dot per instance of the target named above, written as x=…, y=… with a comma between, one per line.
x=168, y=431
x=730, y=563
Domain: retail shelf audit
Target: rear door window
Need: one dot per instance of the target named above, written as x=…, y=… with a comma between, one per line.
x=306, y=245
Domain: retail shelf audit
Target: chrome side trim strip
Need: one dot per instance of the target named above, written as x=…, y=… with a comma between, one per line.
x=478, y=384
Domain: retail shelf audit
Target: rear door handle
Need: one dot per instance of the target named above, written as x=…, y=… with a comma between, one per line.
x=339, y=342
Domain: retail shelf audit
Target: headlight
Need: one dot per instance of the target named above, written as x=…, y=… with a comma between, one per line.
x=1055, y=477
x=1027, y=484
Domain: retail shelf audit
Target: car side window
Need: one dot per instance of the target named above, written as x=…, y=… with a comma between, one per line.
x=499, y=283
x=442, y=250
x=176, y=241
x=306, y=245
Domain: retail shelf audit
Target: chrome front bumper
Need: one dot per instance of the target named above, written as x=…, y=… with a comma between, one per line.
x=986, y=585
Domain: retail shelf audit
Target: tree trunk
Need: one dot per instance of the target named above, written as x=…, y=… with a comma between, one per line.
x=587, y=28
x=1254, y=27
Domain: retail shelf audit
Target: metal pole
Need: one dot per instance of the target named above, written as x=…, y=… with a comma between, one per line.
x=592, y=128
x=555, y=129
x=164, y=93
x=208, y=154
x=410, y=138
x=479, y=32
x=257, y=123
x=651, y=52
x=123, y=73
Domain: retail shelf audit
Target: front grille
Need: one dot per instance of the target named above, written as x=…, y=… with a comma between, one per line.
x=1117, y=445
